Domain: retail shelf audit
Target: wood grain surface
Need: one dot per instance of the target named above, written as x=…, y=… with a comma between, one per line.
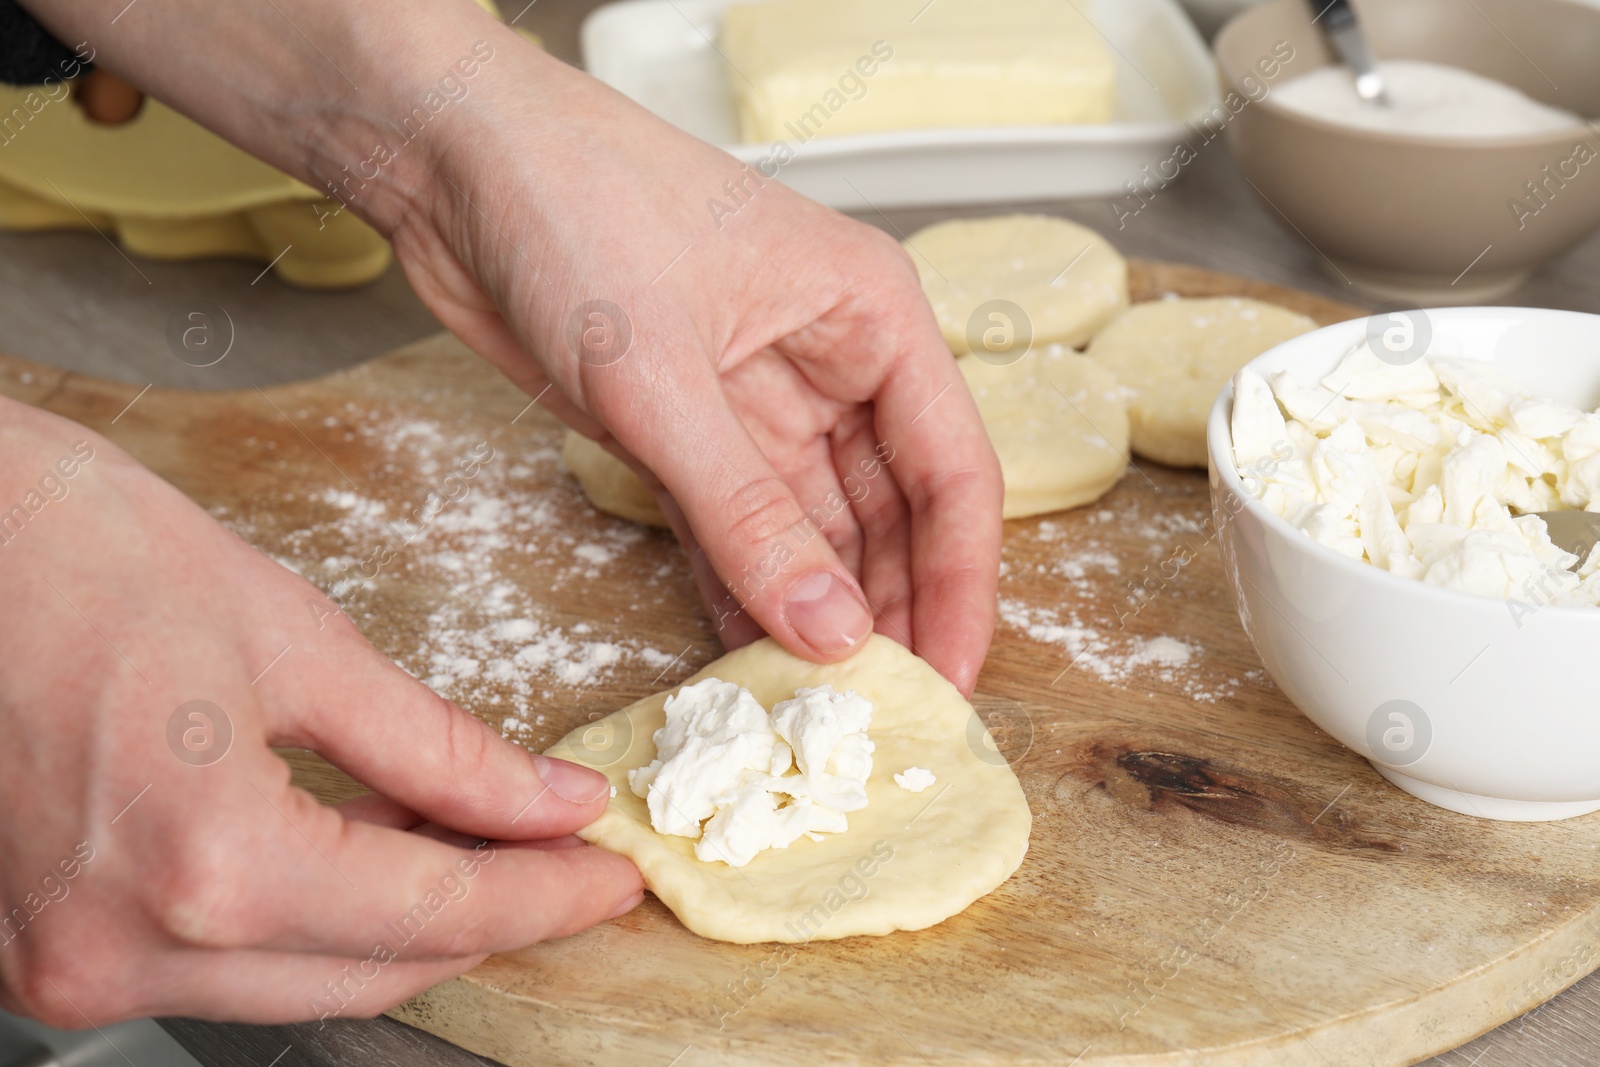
x=1212, y=880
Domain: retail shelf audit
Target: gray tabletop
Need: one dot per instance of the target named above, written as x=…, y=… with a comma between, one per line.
x=74, y=301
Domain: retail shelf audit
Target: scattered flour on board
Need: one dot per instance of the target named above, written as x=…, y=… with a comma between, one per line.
x=1094, y=651
x=491, y=643
x=1084, y=578
x=446, y=522
x=1080, y=561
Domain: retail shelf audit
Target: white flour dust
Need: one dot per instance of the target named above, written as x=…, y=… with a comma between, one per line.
x=1101, y=653
x=1076, y=595
x=452, y=515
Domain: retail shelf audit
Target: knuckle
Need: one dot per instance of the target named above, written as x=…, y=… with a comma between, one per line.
x=469, y=749
x=68, y=989
x=965, y=576
x=885, y=266
x=845, y=541
x=464, y=937
x=900, y=268
x=203, y=910
x=440, y=932
x=34, y=999
x=206, y=899
x=886, y=245
x=611, y=407
x=882, y=517
x=763, y=508
x=28, y=993
x=979, y=477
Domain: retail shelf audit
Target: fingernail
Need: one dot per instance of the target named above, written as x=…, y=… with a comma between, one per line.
x=826, y=612
x=571, y=782
x=628, y=905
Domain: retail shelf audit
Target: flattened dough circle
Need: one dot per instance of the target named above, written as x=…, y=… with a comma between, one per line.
x=930, y=854
x=1175, y=356
x=608, y=483
x=1059, y=423
x=1066, y=278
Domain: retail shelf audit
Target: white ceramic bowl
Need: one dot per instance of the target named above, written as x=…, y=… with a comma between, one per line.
x=1457, y=699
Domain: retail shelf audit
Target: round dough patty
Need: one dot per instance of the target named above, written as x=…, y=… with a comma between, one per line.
x=1059, y=423
x=1174, y=356
x=608, y=483
x=1066, y=278
x=907, y=861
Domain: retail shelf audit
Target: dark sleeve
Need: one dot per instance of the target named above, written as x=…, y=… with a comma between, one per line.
x=28, y=54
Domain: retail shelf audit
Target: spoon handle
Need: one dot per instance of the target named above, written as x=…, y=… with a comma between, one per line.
x=1333, y=14
x=1338, y=21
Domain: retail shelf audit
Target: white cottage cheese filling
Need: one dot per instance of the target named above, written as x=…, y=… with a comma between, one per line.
x=740, y=781
x=915, y=779
x=1430, y=469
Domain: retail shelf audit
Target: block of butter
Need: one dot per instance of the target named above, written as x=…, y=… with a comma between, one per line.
x=802, y=69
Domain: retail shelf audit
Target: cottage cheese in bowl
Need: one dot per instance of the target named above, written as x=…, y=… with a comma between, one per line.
x=1374, y=522
x=1428, y=468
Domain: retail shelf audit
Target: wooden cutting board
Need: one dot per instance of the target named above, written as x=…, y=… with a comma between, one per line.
x=1212, y=880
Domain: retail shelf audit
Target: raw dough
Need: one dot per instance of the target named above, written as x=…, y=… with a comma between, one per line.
x=1175, y=356
x=1059, y=423
x=1066, y=278
x=608, y=483
x=907, y=861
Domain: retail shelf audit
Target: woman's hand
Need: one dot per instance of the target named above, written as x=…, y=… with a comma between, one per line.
x=769, y=366
x=157, y=860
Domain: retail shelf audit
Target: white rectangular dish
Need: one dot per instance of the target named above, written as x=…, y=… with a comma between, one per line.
x=661, y=54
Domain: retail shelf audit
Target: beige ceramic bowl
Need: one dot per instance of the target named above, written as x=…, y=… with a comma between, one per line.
x=1427, y=220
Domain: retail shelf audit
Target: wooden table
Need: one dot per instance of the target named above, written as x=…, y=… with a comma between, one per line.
x=73, y=301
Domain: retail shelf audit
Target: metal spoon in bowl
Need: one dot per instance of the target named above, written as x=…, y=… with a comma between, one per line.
x=1573, y=531
x=1339, y=25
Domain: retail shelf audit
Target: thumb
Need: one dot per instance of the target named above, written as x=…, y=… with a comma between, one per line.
x=374, y=721
x=767, y=553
